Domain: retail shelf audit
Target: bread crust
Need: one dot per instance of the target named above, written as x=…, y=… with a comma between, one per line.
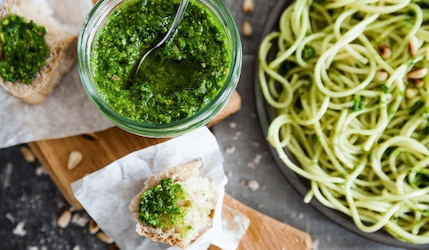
x=184, y=173
x=61, y=59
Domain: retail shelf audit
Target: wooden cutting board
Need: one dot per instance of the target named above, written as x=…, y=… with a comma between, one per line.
x=101, y=148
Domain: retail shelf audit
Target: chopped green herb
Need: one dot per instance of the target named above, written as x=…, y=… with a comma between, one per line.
x=23, y=49
x=161, y=207
x=308, y=52
x=385, y=89
x=178, y=80
x=416, y=107
x=357, y=104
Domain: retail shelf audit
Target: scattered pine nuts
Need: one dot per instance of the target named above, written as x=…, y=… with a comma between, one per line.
x=64, y=219
x=75, y=158
x=381, y=75
x=27, y=154
x=247, y=29
x=248, y=6
x=413, y=46
x=93, y=227
x=417, y=74
x=411, y=93
x=104, y=237
x=384, y=51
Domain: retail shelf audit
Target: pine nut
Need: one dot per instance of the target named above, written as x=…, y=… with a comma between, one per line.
x=248, y=6
x=75, y=158
x=416, y=82
x=93, y=227
x=247, y=29
x=64, y=219
x=27, y=154
x=411, y=93
x=417, y=74
x=384, y=51
x=104, y=237
x=413, y=46
x=381, y=75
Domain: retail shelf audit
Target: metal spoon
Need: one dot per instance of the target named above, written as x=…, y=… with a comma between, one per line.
x=177, y=19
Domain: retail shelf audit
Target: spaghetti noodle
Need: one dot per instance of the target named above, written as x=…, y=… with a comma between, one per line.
x=350, y=86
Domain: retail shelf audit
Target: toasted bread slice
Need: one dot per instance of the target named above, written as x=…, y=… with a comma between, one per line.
x=199, y=191
x=63, y=51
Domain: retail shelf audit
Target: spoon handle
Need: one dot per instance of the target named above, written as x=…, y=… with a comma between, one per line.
x=177, y=19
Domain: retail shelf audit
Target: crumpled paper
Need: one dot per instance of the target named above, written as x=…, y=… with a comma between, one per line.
x=67, y=111
x=107, y=193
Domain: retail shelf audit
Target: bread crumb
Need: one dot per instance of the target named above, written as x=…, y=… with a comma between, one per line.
x=251, y=184
x=230, y=150
x=41, y=171
x=232, y=125
x=257, y=159
x=250, y=165
x=19, y=229
x=237, y=134
x=79, y=219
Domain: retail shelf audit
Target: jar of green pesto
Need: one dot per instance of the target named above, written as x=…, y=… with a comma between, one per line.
x=183, y=85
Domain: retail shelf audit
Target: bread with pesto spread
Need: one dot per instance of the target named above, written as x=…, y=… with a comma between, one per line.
x=197, y=204
x=61, y=59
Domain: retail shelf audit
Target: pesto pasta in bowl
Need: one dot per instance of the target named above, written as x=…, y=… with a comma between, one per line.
x=342, y=90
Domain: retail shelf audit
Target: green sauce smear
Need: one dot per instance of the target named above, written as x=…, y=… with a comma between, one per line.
x=23, y=49
x=164, y=206
x=179, y=79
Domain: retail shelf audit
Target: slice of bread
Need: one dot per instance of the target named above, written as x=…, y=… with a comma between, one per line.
x=200, y=196
x=63, y=51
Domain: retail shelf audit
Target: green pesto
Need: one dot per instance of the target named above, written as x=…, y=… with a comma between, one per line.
x=178, y=80
x=163, y=206
x=23, y=49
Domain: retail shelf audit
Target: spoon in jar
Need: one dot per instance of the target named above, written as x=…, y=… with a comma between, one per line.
x=177, y=19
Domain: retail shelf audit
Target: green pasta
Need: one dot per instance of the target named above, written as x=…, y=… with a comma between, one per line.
x=348, y=80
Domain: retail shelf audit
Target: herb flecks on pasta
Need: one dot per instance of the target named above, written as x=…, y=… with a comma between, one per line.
x=350, y=85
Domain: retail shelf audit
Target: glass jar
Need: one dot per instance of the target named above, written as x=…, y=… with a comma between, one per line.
x=95, y=21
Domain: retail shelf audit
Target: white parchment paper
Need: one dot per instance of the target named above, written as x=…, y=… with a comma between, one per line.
x=107, y=193
x=67, y=111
